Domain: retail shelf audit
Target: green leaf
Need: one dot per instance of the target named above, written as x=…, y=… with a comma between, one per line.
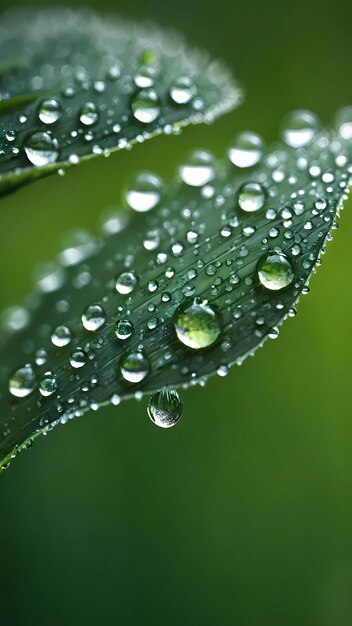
x=245, y=241
x=75, y=85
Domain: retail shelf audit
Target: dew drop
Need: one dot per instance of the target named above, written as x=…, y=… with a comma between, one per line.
x=299, y=128
x=197, y=324
x=343, y=123
x=49, y=111
x=124, y=329
x=22, y=382
x=126, y=282
x=275, y=271
x=165, y=408
x=93, y=317
x=61, y=336
x=134, y=367
x=251, y=197
x=41, y=149
x=88, y=114
x=146, y=106
x=144, y=192
x=198, y=169
x=47, y=385
x=246, y=149
x=78, y=359
x=182, y=90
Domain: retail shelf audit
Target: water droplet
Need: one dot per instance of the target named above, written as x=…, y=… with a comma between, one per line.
x=47, y=385
x=197, y=324
x=41, y=149
x=126, y=282
x=124, y=329
x=182, y=90
x=165, y=408
x=343, y=123
x=246, y=149
x=275, y=271
x=251, y=197
x=61, y=336
x=22, y=382
x=299, y=128
x=144, y=192
x=134, y=367
x=93, y=317
x=198, y=169
x=88, y=114
x=146, y=106
x=78, y=359
x=49, y=111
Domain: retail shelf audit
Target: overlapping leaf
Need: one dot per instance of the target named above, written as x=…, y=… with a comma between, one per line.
x=198, y=242
x=93, y=85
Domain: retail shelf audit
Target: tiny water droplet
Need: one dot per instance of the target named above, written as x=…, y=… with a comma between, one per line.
x=134, y=367
x=251, y=197
x=275, y=271
x=146, y=106
x=93, y=317
x=343, y=123
x=198, y=169
x=197, y=324
x=41, y=149
x=165, y=408
x=144, y=192
x=246, y=149
x=22, y=381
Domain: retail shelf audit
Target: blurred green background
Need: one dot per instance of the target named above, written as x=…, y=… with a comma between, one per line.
x=242, y=513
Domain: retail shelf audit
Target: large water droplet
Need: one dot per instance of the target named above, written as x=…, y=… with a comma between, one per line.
x=88, y=114
x=246, y=149
x=146, y=106
x=93, y=317
x=22, y=382
x=182, y=90
x=343, y=123
x=299, y=128
x=197, y=324
x=61, y=336
x=78, y=359
x=275, y=271
x=251, y=197
x=134, y=367
x=126, y=282
x=49, y=111
x=144, y=192
x=198, y=169
x=165, y=408
x=41, y=149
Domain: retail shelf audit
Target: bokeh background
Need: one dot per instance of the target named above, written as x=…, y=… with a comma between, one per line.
x=242, y=513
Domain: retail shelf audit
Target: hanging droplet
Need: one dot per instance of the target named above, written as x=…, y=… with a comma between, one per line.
x=48, y=385
x=146, y=106
x=61, y=336
x=144, y=192
x=41, y=149
x=124, y=329
x=182, y=90
x=343, y=123
x=49, y=111
x=275, y=271
x=88, y=114
x=134, y=367
x=165, y=408
x=126, y=282
x=22, y=382
x=198, y=324
x=246, y=149
x=198, y=169
x=299, y=128
x=93, y=317
x=251, y=197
